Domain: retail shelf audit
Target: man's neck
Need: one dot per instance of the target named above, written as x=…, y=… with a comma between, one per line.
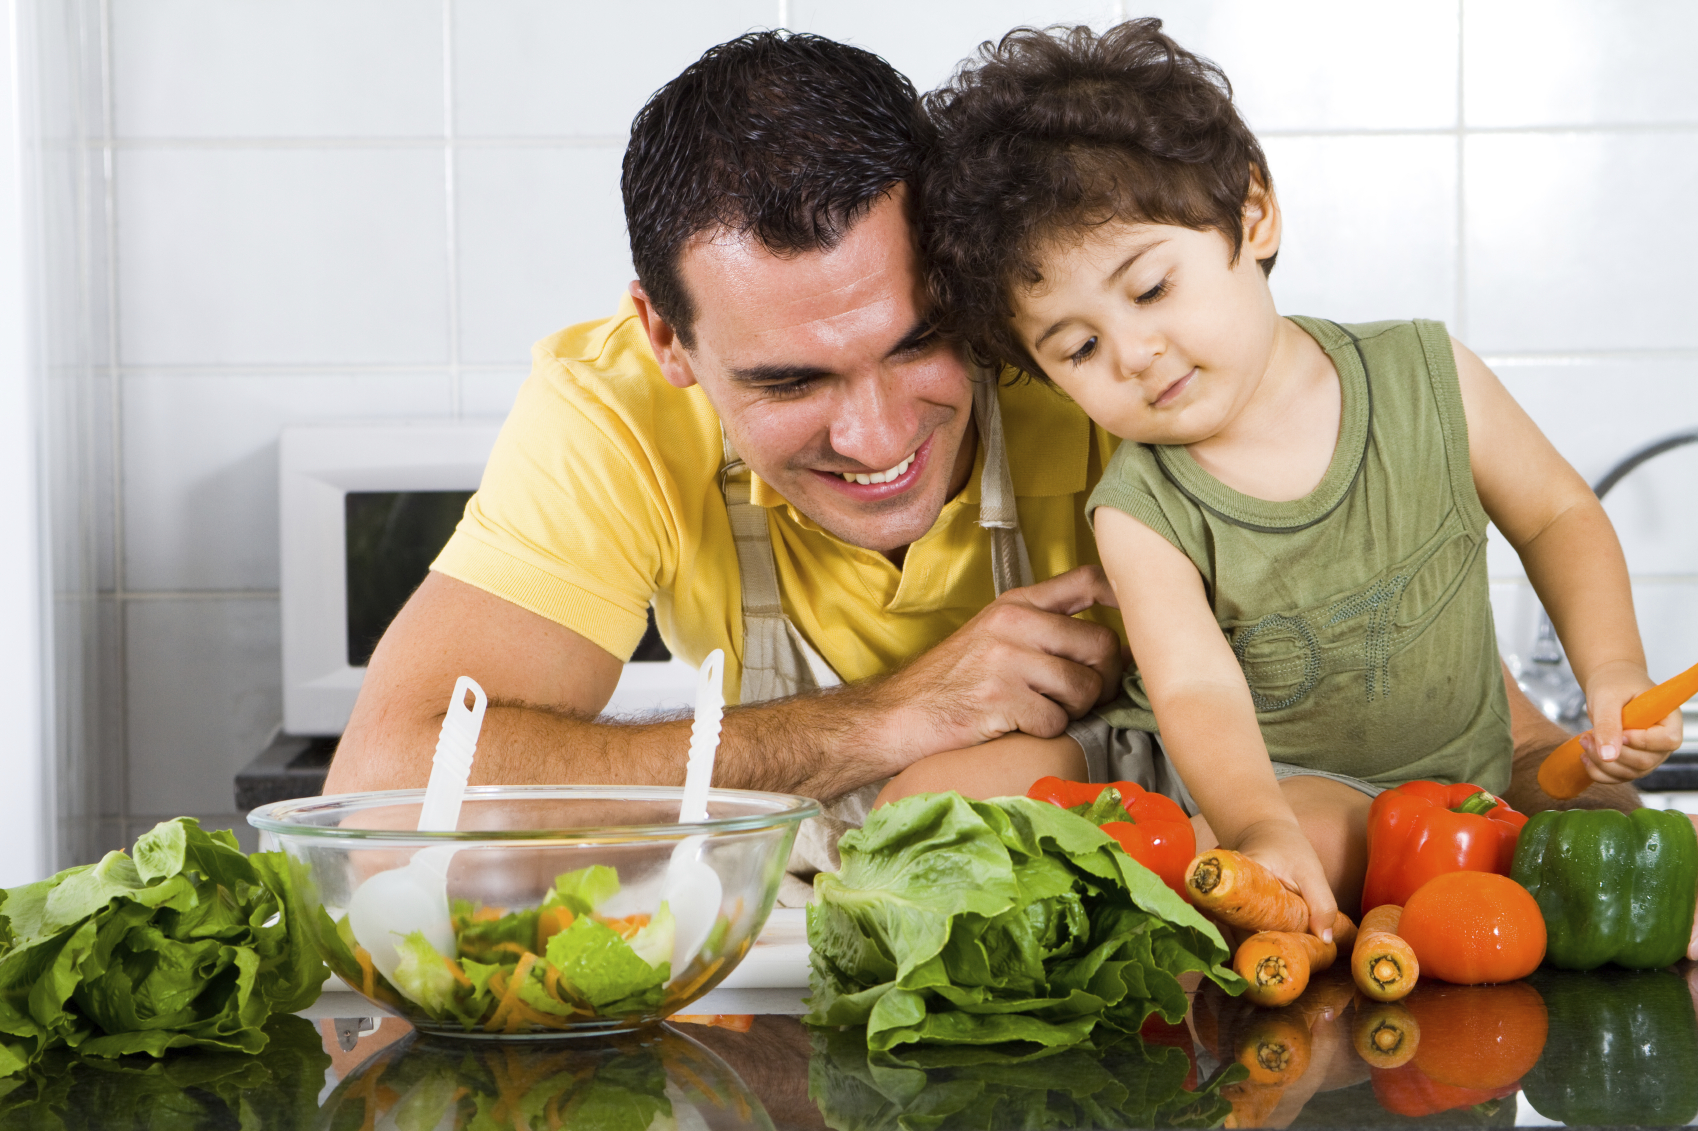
x=959, y=475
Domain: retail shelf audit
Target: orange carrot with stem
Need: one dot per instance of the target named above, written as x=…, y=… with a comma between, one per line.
x=1383, y=965
x=1277, y=964
x=1237, y=890
x=1563, y=775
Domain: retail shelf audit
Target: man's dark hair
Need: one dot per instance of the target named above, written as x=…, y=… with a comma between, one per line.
x=1053, y=131
x=788, y=138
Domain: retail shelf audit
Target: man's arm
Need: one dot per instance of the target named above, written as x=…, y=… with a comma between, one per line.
x=1023, y=663
x=1535, y=738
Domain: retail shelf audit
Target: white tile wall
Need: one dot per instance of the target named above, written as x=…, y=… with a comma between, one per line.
x=374, y=208
x=200, y=465
x=1580, y=62
x=1575, y=240
x=576, y=68
x=1308, y=65
x=282, y=256
x=1370, y=226
x=277, y=68
x=567, y=261
x=203, y=679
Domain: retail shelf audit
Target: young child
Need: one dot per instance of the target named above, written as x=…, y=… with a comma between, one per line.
x=1295, y=527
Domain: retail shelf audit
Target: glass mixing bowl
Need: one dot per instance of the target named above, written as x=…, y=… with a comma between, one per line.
x=542, y=915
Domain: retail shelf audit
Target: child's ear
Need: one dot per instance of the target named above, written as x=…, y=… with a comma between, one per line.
x=1261, y=220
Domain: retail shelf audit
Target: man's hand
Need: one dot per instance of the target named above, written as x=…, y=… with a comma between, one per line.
x=1023, y=663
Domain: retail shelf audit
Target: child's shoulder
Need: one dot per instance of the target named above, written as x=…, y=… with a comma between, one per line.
x=1326, y=330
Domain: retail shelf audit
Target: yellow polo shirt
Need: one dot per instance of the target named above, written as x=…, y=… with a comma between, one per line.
x=602, y=497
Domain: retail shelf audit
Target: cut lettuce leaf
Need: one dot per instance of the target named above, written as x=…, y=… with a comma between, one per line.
x=584, y=890
x=601, y=967
x=423, y=974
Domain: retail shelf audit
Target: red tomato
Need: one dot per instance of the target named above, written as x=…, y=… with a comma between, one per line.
x=1473, y=927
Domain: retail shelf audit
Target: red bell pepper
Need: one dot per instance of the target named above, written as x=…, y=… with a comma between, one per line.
x=1153, y=829
x=1424, y=829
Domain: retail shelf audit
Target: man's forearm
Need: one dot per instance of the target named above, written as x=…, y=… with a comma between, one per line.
x=819, y=745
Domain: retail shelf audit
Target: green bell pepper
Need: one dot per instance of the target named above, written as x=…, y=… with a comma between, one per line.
x=1620, y=1052
x=1613, y=887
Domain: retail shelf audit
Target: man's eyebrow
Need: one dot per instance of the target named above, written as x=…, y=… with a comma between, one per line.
x=913, y=339
x=1125, y=266
x=777, y=374
x=788, y=374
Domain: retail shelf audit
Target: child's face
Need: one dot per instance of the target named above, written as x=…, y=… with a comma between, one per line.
x=1153, y=329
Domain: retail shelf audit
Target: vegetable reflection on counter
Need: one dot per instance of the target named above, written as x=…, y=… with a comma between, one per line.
x=1622, y=1049
x=980, y=922
x=274, y=1092
x=187, y=944
x=1128, y=1083
x=654, y=1082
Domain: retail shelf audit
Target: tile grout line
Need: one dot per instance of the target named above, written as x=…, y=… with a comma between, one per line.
x=115, y=378
x=1461, y=233
x=456, y=397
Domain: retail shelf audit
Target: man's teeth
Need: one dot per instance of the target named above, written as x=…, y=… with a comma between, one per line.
x=877, y=476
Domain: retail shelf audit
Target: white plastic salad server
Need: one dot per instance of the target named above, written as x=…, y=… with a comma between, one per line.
x=392, y=905
x=693, y=891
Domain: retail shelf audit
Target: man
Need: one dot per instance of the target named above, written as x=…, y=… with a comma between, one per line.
x=768, y=444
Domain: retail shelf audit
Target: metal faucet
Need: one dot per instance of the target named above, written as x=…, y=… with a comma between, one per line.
x=1545, y=676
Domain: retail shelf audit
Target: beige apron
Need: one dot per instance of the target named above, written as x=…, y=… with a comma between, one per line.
x=779, y=662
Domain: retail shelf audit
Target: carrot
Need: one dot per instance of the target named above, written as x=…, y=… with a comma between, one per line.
x=1237, y=890
x=367, y=972
x=1277, y=964
x=1275, y=1047
x=1385, y=1035
x=509, y=993
x=1384, y=966
x=1563, y=775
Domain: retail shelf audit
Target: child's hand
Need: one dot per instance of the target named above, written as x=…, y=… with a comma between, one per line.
x=1281, y=847
x=1611, y=753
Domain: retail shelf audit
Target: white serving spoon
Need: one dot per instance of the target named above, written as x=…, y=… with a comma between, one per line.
x=692, y=890
x=414, y=897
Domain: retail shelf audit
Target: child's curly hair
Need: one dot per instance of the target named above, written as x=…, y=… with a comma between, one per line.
x=1050, y=131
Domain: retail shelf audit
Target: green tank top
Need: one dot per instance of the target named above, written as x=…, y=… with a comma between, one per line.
x=1360, y=614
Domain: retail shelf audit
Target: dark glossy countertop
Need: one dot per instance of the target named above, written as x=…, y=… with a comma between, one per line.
x=1608, y=1048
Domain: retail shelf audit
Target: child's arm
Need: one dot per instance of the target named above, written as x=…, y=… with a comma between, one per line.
x=999, y=768
x=1558, y=526
x=1198, y=693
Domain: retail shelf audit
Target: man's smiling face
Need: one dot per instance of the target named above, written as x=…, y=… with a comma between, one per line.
x=827, y=381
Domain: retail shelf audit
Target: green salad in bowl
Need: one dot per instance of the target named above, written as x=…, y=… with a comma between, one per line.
x=552, y=917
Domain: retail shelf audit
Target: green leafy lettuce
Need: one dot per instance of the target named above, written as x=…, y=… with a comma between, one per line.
x=187, y=943
x=944, y=1088
x=497, y=978
x=982, y=922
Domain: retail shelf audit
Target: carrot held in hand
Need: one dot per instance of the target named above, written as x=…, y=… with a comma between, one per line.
x=1277, y=964
x=1383, y=965
x=1237, y=890
x=1563, y=775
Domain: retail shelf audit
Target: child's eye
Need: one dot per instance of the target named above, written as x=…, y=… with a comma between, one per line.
x=1152, y=294
x=1084, y=352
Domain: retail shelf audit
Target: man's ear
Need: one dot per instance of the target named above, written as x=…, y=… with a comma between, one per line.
x=663, y=339
x=1262, y=221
